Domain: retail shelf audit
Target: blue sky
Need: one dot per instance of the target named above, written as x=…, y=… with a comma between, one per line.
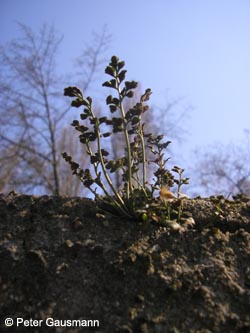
x=196, y=50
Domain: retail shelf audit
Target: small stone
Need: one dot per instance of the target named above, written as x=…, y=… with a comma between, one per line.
x=155, y=248
x=69, y=243
x=89, y=242
x=139, y=298
x=77, y=224
x=124, y=329
x=61, y=267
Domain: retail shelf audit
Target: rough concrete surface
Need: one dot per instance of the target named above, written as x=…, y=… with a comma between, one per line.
x=60, y=260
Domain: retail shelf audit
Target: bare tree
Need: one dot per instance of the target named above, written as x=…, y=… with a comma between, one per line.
x=224, y=169
x=71, y=186
x=33, y=110
x=171, y=118
x=90, y=62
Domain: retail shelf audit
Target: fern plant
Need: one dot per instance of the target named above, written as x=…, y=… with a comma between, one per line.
x=137, y=196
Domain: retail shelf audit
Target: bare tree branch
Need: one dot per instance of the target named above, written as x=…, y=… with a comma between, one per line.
x=223, y=169
x=33, y=110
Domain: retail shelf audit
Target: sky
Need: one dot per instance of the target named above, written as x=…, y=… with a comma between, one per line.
x=196, y=51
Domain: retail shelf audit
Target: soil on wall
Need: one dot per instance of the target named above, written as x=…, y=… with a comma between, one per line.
x=60, y=260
